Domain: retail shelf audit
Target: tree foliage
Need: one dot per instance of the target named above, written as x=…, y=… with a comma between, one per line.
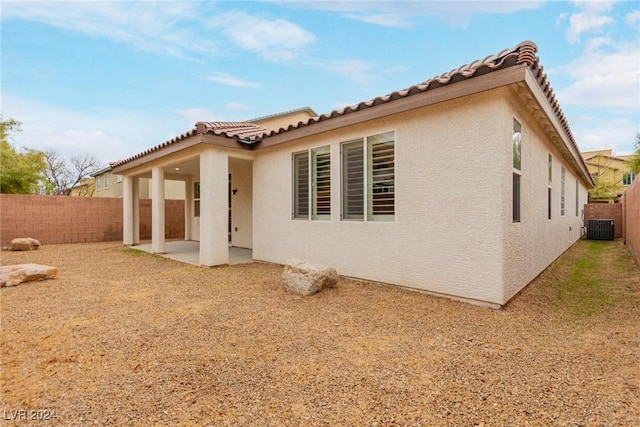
x=62, y=174
x=635, y=160
x=604, y=190
x=22, y=169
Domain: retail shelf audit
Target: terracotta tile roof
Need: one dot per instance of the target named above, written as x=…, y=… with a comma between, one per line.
x=243, y=131
x=249, y=133
x=524, y=53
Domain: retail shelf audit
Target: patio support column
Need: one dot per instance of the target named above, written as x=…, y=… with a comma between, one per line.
x=214, y=209
x=188, y=208
x=157, y=210
x=135, y=192
x=127, y=211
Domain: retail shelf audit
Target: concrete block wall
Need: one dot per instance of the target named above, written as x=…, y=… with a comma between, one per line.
x=63, y=219
x=605, y=211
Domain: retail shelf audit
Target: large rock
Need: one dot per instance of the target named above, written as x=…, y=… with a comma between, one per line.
x=24, y=244
x=307, y=279
x=12, y=275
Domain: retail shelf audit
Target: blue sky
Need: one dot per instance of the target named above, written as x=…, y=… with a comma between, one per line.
x=115, y=78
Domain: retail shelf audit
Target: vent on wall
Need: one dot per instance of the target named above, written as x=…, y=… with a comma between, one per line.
x=600, y=229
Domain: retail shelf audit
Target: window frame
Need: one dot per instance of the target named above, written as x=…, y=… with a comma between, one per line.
x=628, y=178
x=196, y=199
x=372, y=178
x=516, y=171
x=563, y=187
x=98, y=183
x=549, y=186
x=106, y=180
x=318, y=203
x=577, y=198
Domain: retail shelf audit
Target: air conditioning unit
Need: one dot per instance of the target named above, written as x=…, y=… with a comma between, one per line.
x=600, y=229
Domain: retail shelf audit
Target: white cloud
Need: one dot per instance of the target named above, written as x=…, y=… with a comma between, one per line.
x=109, y=135
x=229, y=80
x=583, y=22
x=402, y=13
x=236, y=106
x=274, y=39
x=606, y=75
x=156, y=26
x=618, y=134
x=352, y=69
x=633, y=18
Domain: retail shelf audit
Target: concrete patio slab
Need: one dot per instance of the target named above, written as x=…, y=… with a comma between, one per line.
x=188, y=251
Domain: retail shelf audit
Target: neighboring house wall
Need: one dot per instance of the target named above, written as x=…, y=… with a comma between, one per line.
x=606, y=168
x=283, y=120
x=85, y=188
x=605, y=211
x=631, y=209
x=453, y=186
x=174, y=190
x=63, y=219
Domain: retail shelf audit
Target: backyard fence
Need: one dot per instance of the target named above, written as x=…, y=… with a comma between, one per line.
x=65, y=219
x=631, y=217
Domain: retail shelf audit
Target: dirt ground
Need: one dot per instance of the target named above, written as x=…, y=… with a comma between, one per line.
x=123, y=338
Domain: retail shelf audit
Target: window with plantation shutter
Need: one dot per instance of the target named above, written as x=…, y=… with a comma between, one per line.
x=353, y=180
x=301, y=185
x=562, y=190
x=312, y=184
x=321, y=185
x=368, y=178
x=381, y=171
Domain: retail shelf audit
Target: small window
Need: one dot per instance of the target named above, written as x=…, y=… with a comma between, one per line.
x=549, y=181
x=353, y=180
x=517, y=168
x=577, y=198
x=106, y=180
x=196, y=199
x=628, y=178
x=119, y=178
x=369, y=180
x=98, y=183
x=517, y=145
x=562, y=190
x=516, y=197
x=312, y=184
x=301, y=185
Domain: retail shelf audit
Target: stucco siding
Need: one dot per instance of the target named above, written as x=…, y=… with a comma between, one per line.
x=241, y=202
x=446, y=237
x=536, y=241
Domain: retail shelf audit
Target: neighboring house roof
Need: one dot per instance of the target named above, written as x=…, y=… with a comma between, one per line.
x=285, y=113
x=101, y=171
x=524, y=54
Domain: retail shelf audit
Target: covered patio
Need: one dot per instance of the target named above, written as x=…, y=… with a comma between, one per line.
x=188, y=251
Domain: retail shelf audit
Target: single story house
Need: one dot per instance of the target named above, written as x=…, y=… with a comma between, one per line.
x=466, y=185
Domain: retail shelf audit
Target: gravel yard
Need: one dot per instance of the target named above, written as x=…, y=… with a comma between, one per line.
x=124, y=338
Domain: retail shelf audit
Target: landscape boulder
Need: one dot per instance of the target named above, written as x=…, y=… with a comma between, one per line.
x=24, y=244
x=12, y=275
x=306, y=279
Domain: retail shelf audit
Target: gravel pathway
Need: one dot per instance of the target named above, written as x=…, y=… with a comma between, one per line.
x=123, y=338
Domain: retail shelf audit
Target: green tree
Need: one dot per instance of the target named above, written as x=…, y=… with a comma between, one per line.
x=635, y=160
x=22, y=170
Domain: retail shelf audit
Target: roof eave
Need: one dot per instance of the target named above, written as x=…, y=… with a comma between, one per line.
x=561, y=129
x=492, y=80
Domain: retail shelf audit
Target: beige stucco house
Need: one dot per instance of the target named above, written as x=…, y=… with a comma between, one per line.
x=613, y=171
x=108, y=184
x=466, y=185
